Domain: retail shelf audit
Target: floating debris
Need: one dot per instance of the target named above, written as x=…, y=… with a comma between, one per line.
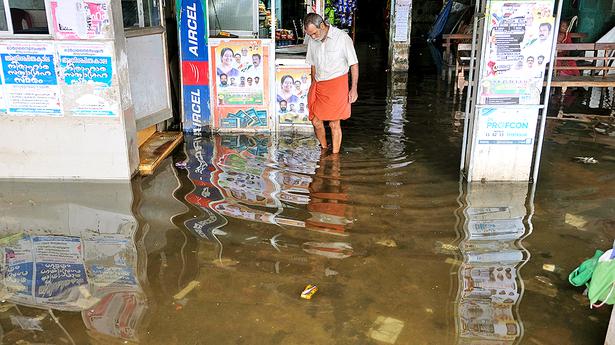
x=329, y=272
x=331, y=250
x=386, y=329
x=181, y=164
x=586, y=160
x=309, y=291
x=577, y=221
x=549, y=267
x=387, y=243
x=182, y=294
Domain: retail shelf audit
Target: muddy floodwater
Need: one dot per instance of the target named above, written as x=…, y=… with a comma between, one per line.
x=217, y=246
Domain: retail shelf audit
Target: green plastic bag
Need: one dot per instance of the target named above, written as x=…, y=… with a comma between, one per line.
x=602, y=284
x=582, y=274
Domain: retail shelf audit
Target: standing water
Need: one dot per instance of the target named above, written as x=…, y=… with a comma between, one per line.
x=217, y=246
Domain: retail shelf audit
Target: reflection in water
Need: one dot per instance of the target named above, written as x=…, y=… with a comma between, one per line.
x=287, y=183
x=70, y=247
x=490, y=288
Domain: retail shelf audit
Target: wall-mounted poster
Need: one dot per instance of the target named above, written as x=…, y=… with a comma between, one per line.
x=519, y=46
x=240, y=84
x=292, y=86
x=239, y=73
x=87, y=74
x=80, y=19
x=31, y=85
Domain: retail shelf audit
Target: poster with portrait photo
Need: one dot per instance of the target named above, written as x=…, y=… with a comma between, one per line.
x=292, y=86
x=519, y=46
x=238, y=70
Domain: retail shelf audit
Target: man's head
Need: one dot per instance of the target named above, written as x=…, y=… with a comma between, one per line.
x=304, y=78
x=292, y=107
x=238, y=58
x=315, y=26
x=249, y=80
x=223, y=79
x=244, y=51
x=256, y=60
x=283, y=105
x=298, y=84
x=543, y=31
x=301, y=107
x=256, y=80
x=530, y=61
x=232, y=80
x=541, y=59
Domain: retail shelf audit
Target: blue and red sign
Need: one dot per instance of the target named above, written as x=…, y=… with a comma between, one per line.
x=194, y=64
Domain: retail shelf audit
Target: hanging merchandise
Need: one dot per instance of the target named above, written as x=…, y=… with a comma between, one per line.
x=344, y=12
x=340, y=12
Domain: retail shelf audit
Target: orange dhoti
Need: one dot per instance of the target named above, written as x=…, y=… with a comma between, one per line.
x=328, y=99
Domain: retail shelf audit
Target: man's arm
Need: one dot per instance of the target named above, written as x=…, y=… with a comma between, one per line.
x=354, y=76
x=313, y=73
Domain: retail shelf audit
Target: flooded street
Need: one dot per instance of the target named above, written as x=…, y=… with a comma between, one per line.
x=217, y=246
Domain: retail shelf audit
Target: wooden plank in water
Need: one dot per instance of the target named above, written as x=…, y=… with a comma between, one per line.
x=144, y=134
x=156, y=149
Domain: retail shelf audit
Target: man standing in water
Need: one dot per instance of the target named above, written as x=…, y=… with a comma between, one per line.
x=331, y=54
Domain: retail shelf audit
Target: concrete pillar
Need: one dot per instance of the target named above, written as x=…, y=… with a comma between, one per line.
x=399, y=35
x=66, y=107
x=513, y=49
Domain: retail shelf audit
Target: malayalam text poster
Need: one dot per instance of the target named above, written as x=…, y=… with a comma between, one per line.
x=31, y=85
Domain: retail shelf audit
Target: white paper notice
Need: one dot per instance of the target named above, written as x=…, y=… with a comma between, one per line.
x=402, y=17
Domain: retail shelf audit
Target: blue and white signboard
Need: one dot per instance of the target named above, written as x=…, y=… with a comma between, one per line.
x=29, y=72
x=86, y=72
x=507, y=126
x=194, y=64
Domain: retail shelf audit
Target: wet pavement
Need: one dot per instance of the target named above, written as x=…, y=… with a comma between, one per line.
x=216, y=247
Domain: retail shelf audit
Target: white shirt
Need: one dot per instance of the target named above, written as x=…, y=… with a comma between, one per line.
x=333, y=57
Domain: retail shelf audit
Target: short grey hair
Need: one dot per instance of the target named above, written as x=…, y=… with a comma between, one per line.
x=313, y=18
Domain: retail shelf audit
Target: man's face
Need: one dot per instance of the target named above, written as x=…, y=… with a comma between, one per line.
x=238, y=58
x=292, y=107
x=249, y=81
x=530, y=62
x=298, y=85
x=316, y=33
x=256, y=60
x=256, y=80
x=543, y=32
x=232, y=81
x=283, y=106
x=541, y=59
x=244, y=52
x=223, y=79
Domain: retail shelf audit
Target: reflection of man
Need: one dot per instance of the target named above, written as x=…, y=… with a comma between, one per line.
x=223, y=80
x=543, y=31
x=283, y=107
x=331, y=54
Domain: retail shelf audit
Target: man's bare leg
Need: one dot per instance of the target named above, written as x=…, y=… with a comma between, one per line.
x=319, y=130
x=336, y=135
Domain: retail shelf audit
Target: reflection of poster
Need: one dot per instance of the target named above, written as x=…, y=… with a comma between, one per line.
x=240, y=86
x=59, y=269
x=18, y=267
x=292, y=86
x=507, y=126
x=31, y=85
x=87, y=67
x=118, y=315
x=79, y=19
x=519, y=45
x=111, y=261
x=239, y=73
